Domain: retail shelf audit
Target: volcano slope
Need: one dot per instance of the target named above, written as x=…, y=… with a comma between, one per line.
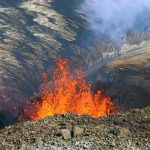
x=122, y=131
x=127, y=76
x=32, y=34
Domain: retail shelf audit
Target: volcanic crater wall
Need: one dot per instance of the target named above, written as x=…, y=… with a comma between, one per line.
x=34, y=32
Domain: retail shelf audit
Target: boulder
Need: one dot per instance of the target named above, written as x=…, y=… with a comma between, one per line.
x=120, y=131
x=78, y=131
x=66, y=134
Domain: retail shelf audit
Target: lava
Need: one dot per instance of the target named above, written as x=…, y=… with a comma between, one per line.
x=66, y=93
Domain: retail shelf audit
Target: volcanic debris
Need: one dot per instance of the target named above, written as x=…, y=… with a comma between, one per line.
x=124, y=131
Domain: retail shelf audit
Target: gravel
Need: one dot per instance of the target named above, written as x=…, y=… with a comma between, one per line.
x=130, y=130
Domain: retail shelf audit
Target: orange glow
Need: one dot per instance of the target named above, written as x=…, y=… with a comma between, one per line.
x=67, y=94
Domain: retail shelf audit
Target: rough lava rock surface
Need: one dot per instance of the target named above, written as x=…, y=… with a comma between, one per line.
x=124, y=131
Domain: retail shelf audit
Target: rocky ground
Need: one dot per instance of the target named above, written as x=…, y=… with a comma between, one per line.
x=125, y=131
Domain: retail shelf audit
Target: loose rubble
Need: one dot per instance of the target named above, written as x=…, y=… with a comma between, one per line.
x=130, y=130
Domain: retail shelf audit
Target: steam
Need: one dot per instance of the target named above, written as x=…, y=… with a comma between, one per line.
x=116, y=17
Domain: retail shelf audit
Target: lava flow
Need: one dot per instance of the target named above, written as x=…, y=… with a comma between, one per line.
x=68, y=94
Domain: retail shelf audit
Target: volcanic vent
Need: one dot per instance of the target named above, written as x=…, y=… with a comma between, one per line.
x=67, y=93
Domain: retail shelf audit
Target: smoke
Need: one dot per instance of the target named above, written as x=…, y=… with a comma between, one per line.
x=116, y=17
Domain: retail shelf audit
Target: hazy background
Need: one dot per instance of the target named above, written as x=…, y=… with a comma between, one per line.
x=116, y=18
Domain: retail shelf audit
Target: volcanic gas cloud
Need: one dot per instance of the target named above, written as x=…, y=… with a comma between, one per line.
x=66, y=93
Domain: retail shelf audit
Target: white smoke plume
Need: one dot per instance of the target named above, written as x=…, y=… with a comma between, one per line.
x=116, y=17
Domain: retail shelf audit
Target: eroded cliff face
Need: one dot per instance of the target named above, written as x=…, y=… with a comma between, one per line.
x=126, y=77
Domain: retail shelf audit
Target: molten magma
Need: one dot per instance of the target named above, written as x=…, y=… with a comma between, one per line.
x=69, y=94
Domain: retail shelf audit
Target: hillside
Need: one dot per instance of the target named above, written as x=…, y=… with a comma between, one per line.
x=126, y=78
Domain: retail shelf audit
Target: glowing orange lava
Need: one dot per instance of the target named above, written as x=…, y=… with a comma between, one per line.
x=67, y=94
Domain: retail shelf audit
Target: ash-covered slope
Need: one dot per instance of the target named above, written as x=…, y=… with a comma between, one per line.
x=127, y=77
x=32, y=33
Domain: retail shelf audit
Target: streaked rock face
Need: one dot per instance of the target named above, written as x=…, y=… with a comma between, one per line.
x=31, y=33
x=127, y=77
